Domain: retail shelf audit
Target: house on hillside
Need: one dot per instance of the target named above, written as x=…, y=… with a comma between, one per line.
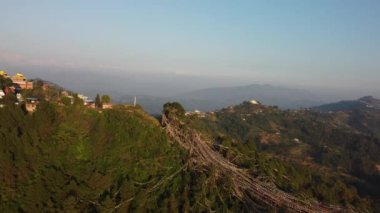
x=107, y=106
x=83, y=97
x=65, y=93
x=20, y=79
x=89, y=104
x=197, y=113
x=45, y=86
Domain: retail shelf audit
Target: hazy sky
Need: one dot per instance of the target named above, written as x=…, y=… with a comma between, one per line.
x=322, y=43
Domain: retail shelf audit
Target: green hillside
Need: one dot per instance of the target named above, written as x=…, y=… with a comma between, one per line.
x=333, y=157
x=68, y=158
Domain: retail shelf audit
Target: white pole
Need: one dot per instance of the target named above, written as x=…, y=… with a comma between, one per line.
x=134, y=102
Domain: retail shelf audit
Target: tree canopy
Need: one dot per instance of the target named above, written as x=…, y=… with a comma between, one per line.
x=173, y=109
x=106, y=99
x=5, y=82
x=98, y=101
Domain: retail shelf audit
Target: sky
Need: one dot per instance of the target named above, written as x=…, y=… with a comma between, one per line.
x=332, y=44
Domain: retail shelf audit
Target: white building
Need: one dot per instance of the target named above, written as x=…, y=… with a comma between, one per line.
x=84, y=98
x=253, y=101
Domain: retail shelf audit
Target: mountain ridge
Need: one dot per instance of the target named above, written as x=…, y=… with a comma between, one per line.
x=215, y=98
x=365, y=102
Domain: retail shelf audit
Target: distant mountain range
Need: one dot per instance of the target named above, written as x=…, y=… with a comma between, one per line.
x=219, y=97
x=368, y=102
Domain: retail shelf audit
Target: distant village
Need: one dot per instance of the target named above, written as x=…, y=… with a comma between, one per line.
x=19, y=83
x=229, y=109
x=16, y=84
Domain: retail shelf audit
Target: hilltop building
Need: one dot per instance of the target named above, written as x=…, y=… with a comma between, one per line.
x=45, y=86
x=20, y=79
x=254, y=102
x=65, y=93
x=83, y=97
x=86, y=101
x=3, y=74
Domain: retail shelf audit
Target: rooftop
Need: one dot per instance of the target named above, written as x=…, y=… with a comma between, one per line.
x=3, y=73
x=253, y=101
x=19, y=75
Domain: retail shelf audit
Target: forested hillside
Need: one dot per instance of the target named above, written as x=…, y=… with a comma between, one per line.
x=70, y=158
x=333, y=157
x=65, y=156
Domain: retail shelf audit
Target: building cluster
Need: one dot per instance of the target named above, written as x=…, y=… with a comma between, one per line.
x=18, y=79
x=197, y=113
x=229, y=109
x=19, y=83
x=89, y=103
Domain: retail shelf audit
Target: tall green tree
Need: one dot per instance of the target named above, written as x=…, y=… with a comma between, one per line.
x=77, y=100
x=98, y=102
x=66, y=101
x=9, y=99
x=5, y=82
x=173, y=109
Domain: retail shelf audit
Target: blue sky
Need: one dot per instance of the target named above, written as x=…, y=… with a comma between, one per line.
x=316, y=43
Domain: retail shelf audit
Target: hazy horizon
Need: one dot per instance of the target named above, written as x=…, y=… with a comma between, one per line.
x=169, y=47
x=169, y=84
